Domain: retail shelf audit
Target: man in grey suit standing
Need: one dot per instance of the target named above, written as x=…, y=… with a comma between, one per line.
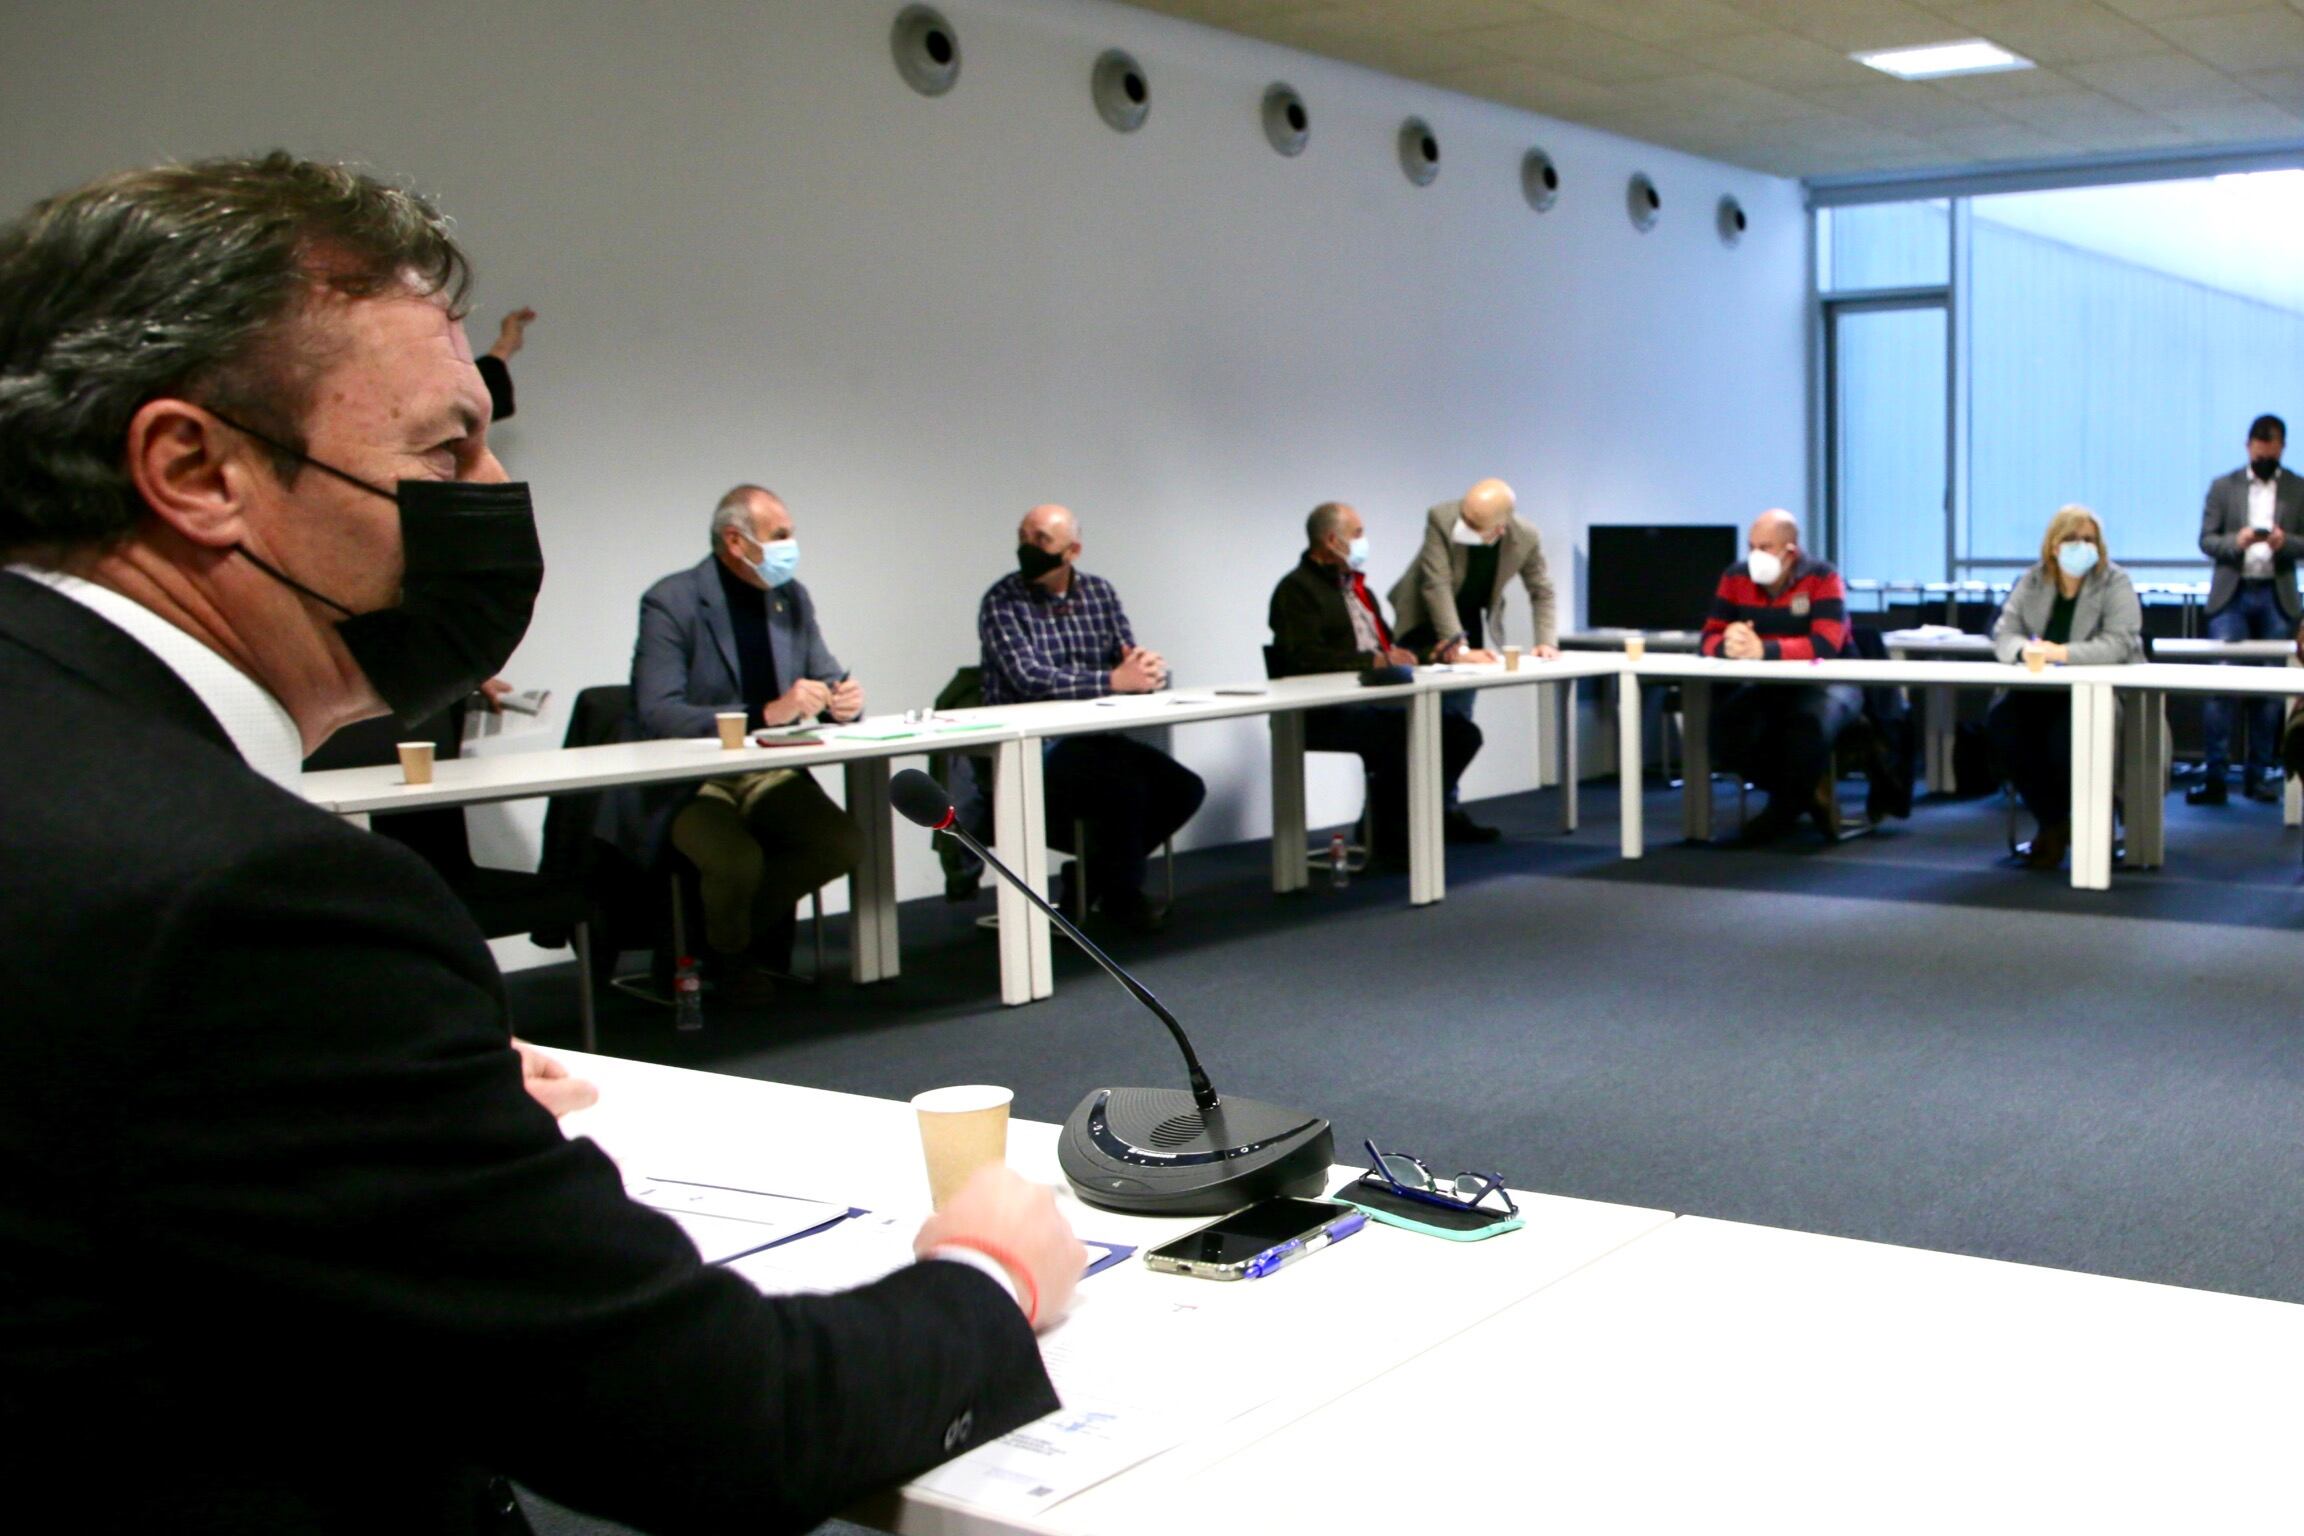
x=736, y=630
x=2250, y=528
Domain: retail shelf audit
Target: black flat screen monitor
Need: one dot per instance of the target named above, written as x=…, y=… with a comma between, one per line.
x=1655, y=577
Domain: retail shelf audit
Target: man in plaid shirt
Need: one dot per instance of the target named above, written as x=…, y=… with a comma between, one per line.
x=1052, y=631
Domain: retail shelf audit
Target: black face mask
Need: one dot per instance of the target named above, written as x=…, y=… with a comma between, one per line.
x=1035, y=562
x=473, y=568
x=2265, y=467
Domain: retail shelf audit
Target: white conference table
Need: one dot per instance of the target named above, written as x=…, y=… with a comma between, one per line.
x=1716, y=1376
x=1938, y=719
x=1283, y=702
x=1341, y=1319
x=2092, y=714
x=863, y=755
x=2145, y=746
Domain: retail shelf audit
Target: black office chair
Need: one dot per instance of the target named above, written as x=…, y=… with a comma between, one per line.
x=2012, y=804
x=552, y=910
x=1878, y=745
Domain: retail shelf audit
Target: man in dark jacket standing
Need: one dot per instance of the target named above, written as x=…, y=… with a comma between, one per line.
x=284, y=1246
x=2250, y=527
x=1324, y=619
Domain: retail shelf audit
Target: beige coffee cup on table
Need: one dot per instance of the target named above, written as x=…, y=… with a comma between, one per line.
x=416, y=762
x=961, y=1130
x=2036, y=656
x=731, y=723
x=1511, y=658
x=1635, y=647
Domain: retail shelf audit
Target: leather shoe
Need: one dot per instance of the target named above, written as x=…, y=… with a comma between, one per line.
x=1772, y=823
x=2212, y=792
x=2262, y=790
x=1132, y=912
x=2047, y=850
x=1459, y=828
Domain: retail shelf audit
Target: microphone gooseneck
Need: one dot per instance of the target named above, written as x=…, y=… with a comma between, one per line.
x=921, y=800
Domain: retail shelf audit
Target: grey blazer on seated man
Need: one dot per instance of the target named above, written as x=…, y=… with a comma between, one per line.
x=2107, y=621
x=1427, y=593
x=2225, y=517
x=684, y=671
x=684, y=663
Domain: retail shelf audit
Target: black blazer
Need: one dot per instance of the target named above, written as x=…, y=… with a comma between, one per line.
x=284, y=1246
x=1311, y=629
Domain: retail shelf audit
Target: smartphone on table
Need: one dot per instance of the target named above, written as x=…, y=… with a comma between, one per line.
x=1250, y=1244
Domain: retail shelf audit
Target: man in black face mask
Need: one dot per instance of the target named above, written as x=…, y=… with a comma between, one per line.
x=2250, y=527
x=246, y=497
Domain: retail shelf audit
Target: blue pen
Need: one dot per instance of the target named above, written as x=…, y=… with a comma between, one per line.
x=1289, y=1252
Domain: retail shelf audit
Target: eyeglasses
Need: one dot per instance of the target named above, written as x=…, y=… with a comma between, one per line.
x=1407, y=1176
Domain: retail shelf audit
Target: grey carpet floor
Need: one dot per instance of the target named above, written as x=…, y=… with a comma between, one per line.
x=1899, y=1038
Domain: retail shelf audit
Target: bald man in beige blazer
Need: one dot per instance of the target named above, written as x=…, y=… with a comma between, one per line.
x=1440, y=612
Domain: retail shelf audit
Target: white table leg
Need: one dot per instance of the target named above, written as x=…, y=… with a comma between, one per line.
x=2143, y=767
x=1695, y=760
x=2092, y=751
x=872, y=948
x=1288, y=815
x=1941, y=716
x=1571, y=770
x=1019, y=810
x=1540, y=736
x=1630, y=761
x=1427, y=858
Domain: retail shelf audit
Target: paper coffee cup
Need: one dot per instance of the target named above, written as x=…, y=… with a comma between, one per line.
x=2035, y=658
x=1511, y=658
x=416, y=762
x=731, y=723
x=1635, y=647
x=961, y=1130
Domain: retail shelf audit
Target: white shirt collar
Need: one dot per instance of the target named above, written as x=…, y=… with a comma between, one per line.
x=264, y=733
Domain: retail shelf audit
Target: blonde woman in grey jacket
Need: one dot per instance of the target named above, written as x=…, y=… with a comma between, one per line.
x=2075, y=607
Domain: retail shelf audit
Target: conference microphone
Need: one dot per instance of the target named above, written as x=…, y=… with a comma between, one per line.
x=1154, y=1151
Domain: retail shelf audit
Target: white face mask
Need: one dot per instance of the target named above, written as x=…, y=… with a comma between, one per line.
x=1766, y=568
x=1356, y=553
x=1465, y=533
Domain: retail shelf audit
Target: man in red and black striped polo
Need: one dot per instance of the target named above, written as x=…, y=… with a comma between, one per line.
x=1781, y=605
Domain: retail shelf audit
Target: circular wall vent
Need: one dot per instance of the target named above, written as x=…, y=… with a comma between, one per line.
x=1419, y=151
x=1643, y=202
x=1123, y=94
x=1539, y=180
x=927, y=50
x=1287, y=125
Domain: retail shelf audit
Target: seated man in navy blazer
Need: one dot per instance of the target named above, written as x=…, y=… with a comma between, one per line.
x=737, y=631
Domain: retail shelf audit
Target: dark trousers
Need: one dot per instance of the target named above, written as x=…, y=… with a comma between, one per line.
x=2031, y=733
x=1780, y=735
x=2253, y=614
x=1378, y=733
x=1131, y=797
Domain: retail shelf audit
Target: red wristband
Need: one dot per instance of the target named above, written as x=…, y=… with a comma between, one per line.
x=1007, y=1261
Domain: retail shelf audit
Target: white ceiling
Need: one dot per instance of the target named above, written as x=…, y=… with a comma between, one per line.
x=1768, y=83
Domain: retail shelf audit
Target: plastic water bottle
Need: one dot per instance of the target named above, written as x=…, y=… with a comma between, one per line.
x=1339, y=866
x=687, y=994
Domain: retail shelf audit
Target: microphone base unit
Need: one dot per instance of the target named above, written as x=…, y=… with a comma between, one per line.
x=1156, y=1152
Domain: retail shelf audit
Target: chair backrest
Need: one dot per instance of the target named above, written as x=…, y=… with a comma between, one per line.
x=598, y=717
x=1271, y=662
x=437, y=837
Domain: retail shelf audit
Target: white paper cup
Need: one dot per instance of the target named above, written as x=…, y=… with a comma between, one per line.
x=416, y=762
x=961, y=1130
x=1635, y=647
x=731, y=723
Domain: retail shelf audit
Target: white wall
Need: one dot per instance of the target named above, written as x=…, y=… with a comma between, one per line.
x=759, y=256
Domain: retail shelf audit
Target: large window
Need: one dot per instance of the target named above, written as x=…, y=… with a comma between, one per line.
x=2106, y=345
